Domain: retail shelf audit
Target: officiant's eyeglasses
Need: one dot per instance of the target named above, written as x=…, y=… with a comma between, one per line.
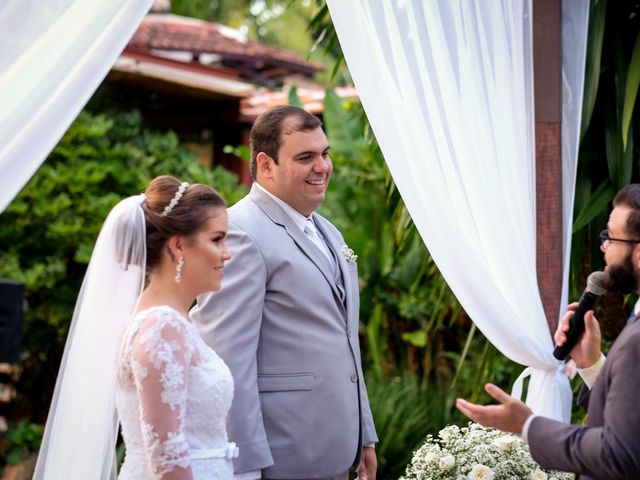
x=604, y=238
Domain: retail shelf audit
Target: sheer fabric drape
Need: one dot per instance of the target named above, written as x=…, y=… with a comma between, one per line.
x=448, y=89
x=53, y=56
x=82, y=426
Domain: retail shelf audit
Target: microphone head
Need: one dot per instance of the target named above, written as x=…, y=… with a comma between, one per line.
x=595, y=283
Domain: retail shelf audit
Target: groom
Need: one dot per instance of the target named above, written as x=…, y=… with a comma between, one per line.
x=286, y=318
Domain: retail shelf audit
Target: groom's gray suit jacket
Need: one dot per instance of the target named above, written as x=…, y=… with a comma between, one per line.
x=288, y=330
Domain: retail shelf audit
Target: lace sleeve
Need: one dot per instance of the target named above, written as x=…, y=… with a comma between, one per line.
x=161, y=354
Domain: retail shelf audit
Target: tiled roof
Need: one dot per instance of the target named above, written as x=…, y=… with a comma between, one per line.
x=166, y=33
x=312, y=100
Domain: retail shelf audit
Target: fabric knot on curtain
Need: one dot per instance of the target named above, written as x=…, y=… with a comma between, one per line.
x=549, y=381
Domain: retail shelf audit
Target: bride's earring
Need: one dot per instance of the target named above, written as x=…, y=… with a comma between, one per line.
x=178, y=277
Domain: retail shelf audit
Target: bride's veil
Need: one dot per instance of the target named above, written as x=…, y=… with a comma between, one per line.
x=82, y=426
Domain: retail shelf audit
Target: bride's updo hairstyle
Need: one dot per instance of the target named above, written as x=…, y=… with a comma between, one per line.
x=186, y=216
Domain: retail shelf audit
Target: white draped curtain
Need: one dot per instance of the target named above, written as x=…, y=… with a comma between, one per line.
x=53, y=56
x=448, y=89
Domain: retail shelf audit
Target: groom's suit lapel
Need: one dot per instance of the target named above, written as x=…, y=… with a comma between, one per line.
x=305, y=244
x=334, y=244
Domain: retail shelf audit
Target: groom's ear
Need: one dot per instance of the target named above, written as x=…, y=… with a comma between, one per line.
x=265, y=164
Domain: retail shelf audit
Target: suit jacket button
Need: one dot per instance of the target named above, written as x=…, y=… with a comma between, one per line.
x=349, y=333
x=354, y=378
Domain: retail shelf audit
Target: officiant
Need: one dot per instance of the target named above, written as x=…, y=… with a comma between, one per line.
x=608, y=446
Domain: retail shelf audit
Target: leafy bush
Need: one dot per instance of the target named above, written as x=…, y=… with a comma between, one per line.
x=48, y=231
x=19, y=441
x=405, y=410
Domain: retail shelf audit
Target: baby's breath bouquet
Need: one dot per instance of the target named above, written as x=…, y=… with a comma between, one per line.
x=477, y=453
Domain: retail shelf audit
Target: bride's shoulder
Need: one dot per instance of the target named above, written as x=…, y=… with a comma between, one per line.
x=159, y=314
x=154, y=327
x=161, y=320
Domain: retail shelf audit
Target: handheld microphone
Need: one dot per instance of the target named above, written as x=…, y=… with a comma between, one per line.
x=595, y=288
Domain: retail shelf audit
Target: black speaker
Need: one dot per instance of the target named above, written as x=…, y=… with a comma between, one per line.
x=11, y=316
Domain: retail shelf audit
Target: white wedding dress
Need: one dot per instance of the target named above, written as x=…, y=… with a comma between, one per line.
x=173, y=393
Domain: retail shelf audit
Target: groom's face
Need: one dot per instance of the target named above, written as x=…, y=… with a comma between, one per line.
x=304, y=168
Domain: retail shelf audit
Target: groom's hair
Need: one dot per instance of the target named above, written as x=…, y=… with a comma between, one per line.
x=266, y=133
x=630, y=196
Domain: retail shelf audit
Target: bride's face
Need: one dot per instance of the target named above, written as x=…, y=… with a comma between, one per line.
x=205, y=254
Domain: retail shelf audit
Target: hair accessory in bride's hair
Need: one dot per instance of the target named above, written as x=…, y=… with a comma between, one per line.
x=176, y=198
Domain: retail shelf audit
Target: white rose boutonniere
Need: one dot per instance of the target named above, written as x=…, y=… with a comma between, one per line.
x=349, y=254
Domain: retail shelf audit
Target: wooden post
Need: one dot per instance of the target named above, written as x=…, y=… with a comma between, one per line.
x=547, y=61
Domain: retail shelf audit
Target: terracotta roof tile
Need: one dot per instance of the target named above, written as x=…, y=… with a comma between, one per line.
x=312, y=100
x=172, y=32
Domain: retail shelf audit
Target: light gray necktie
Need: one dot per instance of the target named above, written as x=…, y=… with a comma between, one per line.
x=312, y=232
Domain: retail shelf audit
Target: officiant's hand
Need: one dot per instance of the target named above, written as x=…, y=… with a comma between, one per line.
x=587, y=351
x=368, y=464
x=509, y=416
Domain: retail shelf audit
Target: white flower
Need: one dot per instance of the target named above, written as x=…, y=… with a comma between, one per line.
x=448, y=432
x=480, y=472
x=506, y=442
x=431, y=457
x=447, y=462
x=538, y=475
x=349, y=254
x=475, y=452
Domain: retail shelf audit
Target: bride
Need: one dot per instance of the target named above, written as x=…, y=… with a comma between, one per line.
x=135, y=357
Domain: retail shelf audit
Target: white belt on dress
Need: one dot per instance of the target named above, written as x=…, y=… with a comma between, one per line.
x=229, y=452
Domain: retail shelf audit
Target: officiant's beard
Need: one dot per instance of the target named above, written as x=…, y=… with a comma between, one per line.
x=621, y=277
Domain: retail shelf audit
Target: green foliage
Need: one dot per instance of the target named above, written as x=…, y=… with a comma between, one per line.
x=241, y=151
x=597, y=17
x=406, y=409
x=19, y=441
x=322, y=29
x=48, y=231
x=229, y=12
x=631, y=91
x=280, y=23
x=609, y=132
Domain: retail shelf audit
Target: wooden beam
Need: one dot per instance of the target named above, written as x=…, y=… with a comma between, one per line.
x=547, y=61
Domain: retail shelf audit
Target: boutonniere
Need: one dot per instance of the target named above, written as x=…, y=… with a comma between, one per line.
x=349, y=254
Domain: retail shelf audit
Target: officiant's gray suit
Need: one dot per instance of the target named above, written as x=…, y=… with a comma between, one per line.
x=608, y=447
x=286, y=324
